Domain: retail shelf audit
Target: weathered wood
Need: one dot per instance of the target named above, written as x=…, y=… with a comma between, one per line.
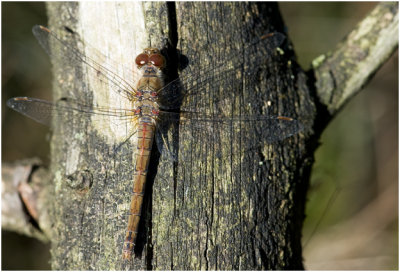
x=236, y=212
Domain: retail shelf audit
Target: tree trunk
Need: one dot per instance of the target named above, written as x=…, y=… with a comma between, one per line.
x=219, y=211
x=243, y=218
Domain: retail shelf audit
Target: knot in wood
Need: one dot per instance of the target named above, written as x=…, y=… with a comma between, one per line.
x=80, y=180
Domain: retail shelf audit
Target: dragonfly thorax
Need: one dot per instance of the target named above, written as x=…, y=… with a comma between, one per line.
x=146, y=105
x=146, y=94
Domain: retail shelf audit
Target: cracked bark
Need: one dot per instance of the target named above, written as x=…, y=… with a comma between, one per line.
x=89, y=179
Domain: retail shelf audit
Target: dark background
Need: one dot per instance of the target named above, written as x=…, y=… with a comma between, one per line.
x=355, y=175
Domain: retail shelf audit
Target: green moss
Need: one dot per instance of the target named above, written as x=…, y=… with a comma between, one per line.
x=318, y=61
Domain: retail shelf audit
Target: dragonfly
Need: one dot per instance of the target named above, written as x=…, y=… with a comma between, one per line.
x=204, y=101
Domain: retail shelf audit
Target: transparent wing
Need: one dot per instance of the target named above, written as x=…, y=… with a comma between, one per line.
x=220, y=72
x=252, y=131
x=60, y=49
x=43, y=111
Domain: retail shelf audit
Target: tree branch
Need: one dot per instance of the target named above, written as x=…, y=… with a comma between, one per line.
x=342, y=73
x=23, y=208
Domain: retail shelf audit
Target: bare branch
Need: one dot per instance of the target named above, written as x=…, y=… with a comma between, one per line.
x=22, y=206
x=342, y=73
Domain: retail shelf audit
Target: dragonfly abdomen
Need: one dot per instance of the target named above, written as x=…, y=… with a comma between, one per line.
x=145, y=137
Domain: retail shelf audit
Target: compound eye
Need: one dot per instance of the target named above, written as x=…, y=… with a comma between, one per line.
x=157, y=60
x=142, y=59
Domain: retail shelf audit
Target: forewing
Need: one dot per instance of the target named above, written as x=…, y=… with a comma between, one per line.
x=219, y=72
x=61, y=49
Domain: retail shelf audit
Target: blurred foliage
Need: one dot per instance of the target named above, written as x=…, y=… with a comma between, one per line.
x=356, y=162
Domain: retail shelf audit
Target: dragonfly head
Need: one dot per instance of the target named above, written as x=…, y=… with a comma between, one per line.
x=150, y=56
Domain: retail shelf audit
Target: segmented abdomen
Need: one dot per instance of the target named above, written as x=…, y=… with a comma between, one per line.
x=145, y=134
